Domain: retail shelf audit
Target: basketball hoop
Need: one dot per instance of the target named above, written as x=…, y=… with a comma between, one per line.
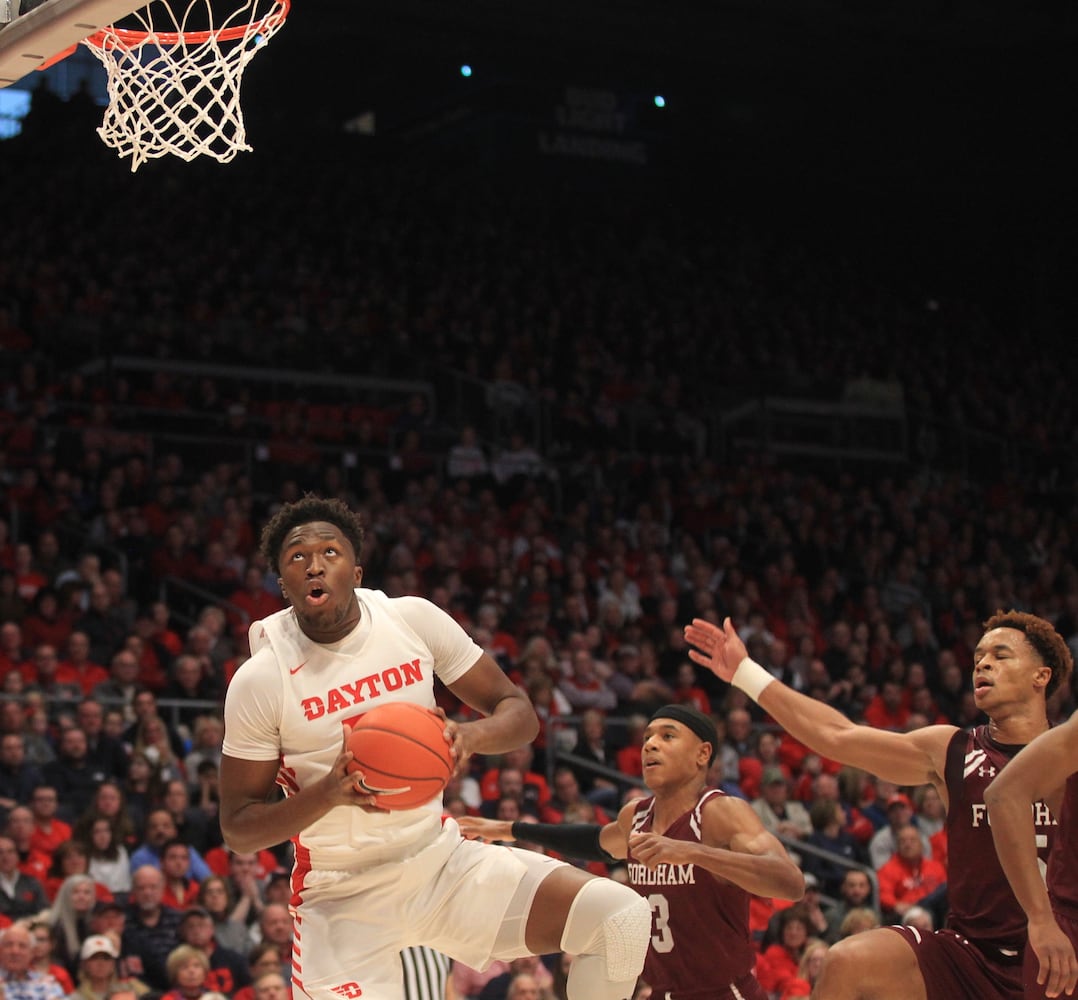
x=176, y=90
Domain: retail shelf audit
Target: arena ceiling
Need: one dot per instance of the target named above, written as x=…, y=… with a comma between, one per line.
x=974, y=89
x=692, y=35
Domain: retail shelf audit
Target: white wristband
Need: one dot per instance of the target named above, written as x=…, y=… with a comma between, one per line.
x=751, y=678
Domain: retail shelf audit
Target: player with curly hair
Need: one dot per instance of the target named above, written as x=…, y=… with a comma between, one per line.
x=369, y=881
x=1019, y=661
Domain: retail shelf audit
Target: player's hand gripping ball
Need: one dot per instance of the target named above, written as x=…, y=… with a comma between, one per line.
x=403, y=754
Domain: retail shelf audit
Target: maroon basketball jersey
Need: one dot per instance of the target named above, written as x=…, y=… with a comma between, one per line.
x=982, y=905
x=1063, y=863
x=699, y=927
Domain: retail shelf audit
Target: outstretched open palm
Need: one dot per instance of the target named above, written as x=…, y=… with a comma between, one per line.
x=720, y=650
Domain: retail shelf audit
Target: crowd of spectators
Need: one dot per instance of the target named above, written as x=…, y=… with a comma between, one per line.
x=862, y=587
x=866, y=592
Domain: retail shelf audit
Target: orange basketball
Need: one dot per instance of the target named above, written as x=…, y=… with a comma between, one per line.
x=402, y=753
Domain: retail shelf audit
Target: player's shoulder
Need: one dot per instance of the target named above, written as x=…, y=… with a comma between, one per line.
x=632, y=807
x=403, y=603
x=944, y=731
x=421, y=615
x=716, y=798
x=934, y=741
x=720, y=811
x=256, y=669
x=406, y=605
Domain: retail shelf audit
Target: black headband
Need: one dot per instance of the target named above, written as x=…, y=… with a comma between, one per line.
x=699, y=723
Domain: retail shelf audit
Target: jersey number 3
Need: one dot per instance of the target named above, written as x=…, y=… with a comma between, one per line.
x=661, y=938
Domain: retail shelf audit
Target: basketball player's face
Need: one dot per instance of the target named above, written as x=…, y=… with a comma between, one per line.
x=671, y=754
x=318, y=576
x=1004, y=669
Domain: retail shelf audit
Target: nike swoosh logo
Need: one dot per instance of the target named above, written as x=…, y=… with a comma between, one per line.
x=375, y=790
x=296, y=670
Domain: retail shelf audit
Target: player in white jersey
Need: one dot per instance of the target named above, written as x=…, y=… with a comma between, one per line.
x=368, y=882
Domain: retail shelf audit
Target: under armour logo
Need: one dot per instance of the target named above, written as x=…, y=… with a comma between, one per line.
x=986, y=772
x=350, y=991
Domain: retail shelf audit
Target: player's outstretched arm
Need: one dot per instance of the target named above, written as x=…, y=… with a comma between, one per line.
x=905, y=758
x=1039, y=771
x=734, y=846
x=486, y=830
x=250, y=822
x=583, y=841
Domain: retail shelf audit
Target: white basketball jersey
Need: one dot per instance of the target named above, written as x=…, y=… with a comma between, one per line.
x=290, y=700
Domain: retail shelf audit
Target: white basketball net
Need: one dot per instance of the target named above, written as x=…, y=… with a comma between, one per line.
x=174, y=85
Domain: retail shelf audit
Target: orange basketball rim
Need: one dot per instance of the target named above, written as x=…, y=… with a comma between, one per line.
x=174, y=89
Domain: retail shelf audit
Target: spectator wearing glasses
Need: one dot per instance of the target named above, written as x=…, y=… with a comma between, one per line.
x=49, y=831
